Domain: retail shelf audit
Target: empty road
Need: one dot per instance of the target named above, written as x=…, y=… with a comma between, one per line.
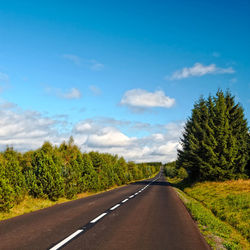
x=144, y=215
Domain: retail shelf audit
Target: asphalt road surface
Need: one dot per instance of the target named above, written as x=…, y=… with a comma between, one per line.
x=144, y=215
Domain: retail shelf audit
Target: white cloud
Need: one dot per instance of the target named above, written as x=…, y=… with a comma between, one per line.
x=108, y=137
x=26, y=130
x=73, y=58
x=73, y=93
x=199, y=70
x=140, y=98
x=83, y=127
x=103, y=137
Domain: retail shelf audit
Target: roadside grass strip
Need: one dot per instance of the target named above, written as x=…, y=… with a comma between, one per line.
x=89, y=225
x=218, y=234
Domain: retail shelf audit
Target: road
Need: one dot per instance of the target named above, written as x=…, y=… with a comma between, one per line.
x=143, y=215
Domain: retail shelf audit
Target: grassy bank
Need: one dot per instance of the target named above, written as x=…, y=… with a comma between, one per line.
x=221, y=210
x=30, y=204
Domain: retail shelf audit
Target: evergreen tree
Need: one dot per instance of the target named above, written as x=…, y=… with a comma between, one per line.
x=214, y=142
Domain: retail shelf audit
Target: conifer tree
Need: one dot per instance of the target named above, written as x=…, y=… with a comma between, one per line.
x=214, y=142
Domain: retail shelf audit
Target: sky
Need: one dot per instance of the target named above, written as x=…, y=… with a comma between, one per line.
x=119, y=76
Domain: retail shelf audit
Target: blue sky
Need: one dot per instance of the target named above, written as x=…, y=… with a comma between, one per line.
x=120, y=76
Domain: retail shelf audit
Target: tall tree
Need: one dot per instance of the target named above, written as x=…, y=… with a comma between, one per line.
x=214, y=142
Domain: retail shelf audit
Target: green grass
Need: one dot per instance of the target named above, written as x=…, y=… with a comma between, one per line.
x=221, y=210
x=229, y=201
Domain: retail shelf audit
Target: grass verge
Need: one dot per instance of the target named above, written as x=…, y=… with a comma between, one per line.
x=221, y=210
x=30, y=204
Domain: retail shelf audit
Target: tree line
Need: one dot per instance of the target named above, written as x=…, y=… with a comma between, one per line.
x=215, y=142
x=52, y=172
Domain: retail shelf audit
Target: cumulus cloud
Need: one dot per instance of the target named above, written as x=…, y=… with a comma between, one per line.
x=73, y=93
x=200, y=70
x=140, y=98
x=104, y=137
x=109, y=137
x=25, y=130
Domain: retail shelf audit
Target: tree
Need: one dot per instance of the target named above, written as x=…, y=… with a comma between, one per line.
x=214, y=142
x=48, y=173
x=7, y=194
x=13, y=173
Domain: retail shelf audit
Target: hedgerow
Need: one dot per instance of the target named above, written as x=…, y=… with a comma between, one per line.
x=52, y=172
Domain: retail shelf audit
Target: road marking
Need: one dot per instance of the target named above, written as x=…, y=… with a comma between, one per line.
x=63, y=242
x=70, y=237
x=114, y=207
x=98, y=218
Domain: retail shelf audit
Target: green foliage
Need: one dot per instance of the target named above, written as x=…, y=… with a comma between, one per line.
x=182, y=173
x=170, y=170
x=53, y=172
x=47, y=174
x=215, y=140
x=7, y=195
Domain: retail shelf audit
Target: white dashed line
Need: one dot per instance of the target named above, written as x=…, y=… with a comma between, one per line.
x=114, y=207
x=70, y=237
x=63, y=242
x=98, y=218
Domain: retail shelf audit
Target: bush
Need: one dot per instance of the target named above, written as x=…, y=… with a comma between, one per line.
x=170, y=171
x=7, y=195
x=182, y=173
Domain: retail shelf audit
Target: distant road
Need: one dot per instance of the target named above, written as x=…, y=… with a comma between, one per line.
x=144, y=215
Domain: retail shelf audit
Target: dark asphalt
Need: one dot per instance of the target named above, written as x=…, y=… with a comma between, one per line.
x=154, y=219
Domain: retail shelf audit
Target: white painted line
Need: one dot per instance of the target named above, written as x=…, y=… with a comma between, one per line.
x=136, y=193
x=131, y=196
x=124, y=200
x=98, y=218
x=63, y=242
x=114, y=207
